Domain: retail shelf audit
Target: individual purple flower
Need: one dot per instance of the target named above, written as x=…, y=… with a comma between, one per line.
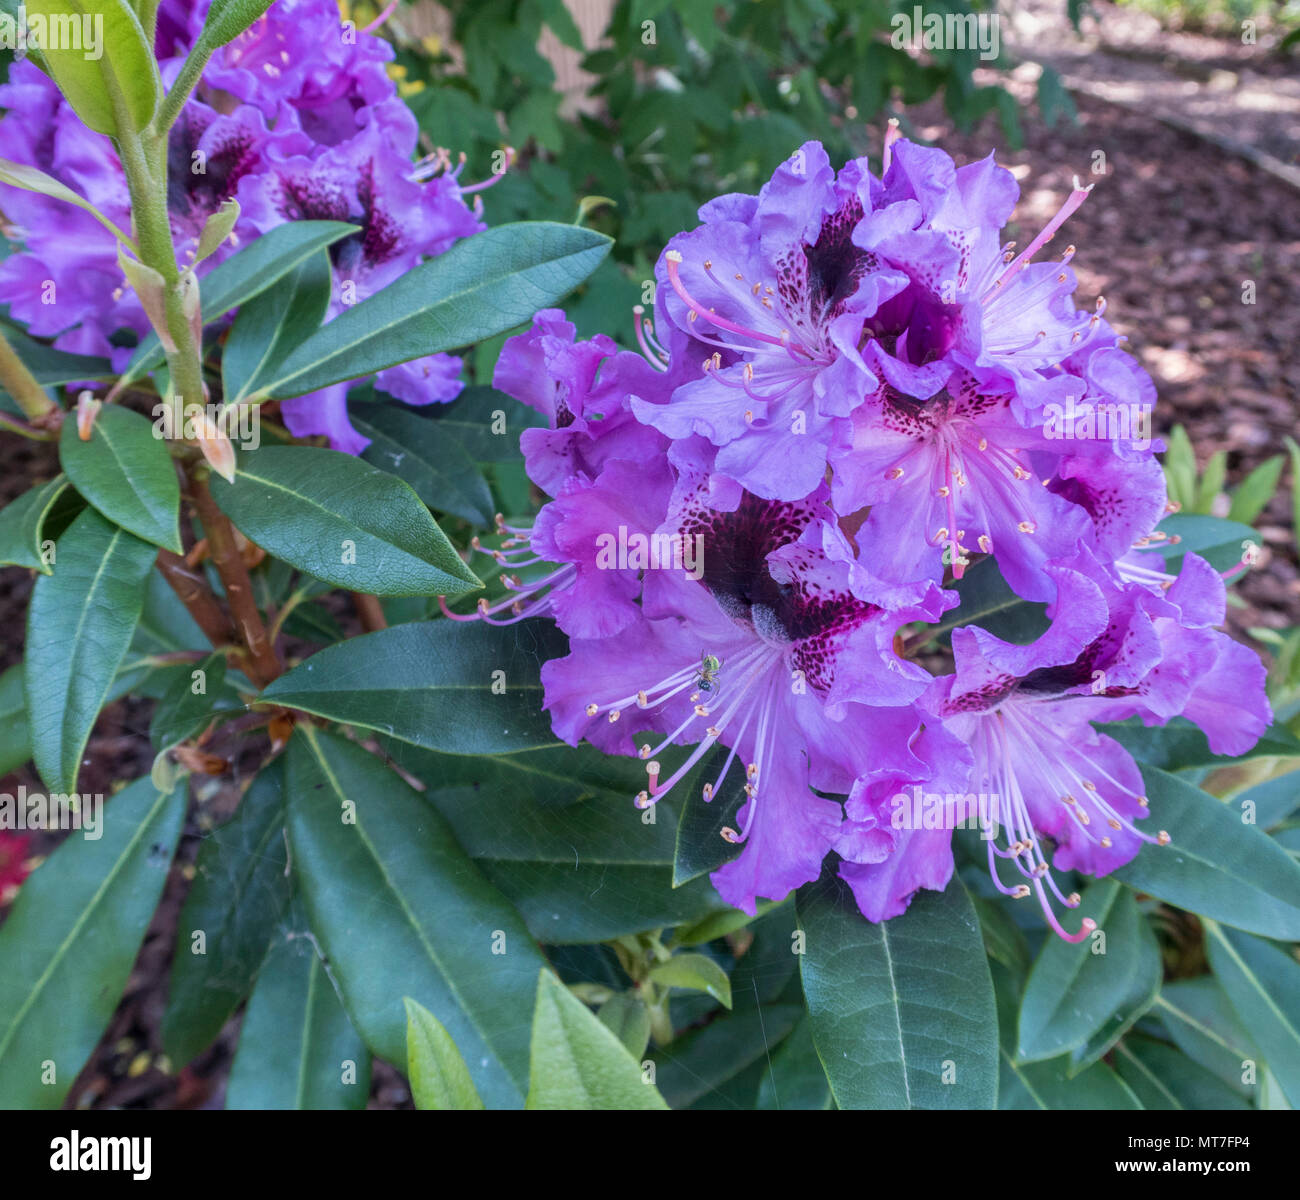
x=776, y=292
x=778, y=651
x=969, y=296
x=1044, y=772
x=949, y=471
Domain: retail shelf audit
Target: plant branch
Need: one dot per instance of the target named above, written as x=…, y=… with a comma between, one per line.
x=21, y=384
x=370, y=612
x=193, y=592
x=263, y=662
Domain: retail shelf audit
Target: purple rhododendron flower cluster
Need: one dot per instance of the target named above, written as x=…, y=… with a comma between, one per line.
x=853, y=390
x=296, y=119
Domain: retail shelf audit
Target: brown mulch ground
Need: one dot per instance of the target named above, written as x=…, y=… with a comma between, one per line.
x=1169, y=235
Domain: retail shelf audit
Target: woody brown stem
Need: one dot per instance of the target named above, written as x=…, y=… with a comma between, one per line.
x=198, y=599
x=370, y=612
x=263, y=662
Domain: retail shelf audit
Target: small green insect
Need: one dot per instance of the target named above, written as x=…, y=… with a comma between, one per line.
x=710, y=665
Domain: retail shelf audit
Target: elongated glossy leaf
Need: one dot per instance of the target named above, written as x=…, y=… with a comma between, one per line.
x=585, y=872
x=797, y=1079
x=124, y=70
x=553, y=776
x=1096, y=988
x=239, y=895
x=51, y=367
x=432, y=684
x=297, y=1048
x=22, y=523
x=271, y=324
x=15, y=741
x=701, y=1068
x=576, y=1062
x=482, y=286
x=485, y=422
x=126, y=473
x=437, y=1071
x=337, y=518
x=248, y=273
x=1048, y=1085
x=1200, y=1020
x=1270, y=803
x=902, y=1012
x=190, y=704
x=1218, y=541
x=694, y=972
x=433, y=463
x=79, y=625
x=1216, y=865
x=33, y=180
x=1162, y=1077
x=1263, y=986
x=400, y=910
x=1181, y=744
x=625, y=1015
x=71, y=939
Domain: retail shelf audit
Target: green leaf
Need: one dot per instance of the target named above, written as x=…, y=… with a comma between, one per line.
x=433, y=463
x=1003, y=940
x=297, y=1049
x=485, y=422
x=576, y=1062
x=437, y=1071
x=1252, y=495
x=20, y=175
x=1218, y=541
x=1198, y=1017
x=701, y=1068
x=79, y=625
x=987, y=600
x=1211, y=483
x=182, y=713
x=400, y=910
x=1180, y=744
x=1270, y=803
x=695, y=972
x=121, y=83
x=797, y=1079
x=1263, y=986
x=51, y=367
x=124, y=470
x=553, y=776
x=343, y=521
x=1215, y=865
x=1164, y=1078
x=225, y=21
x=625, y=1015
x=1048, y=1085
x=15, y=742
x=902, y=1011
x=22, y=523
x=239, y=895
x=586, y=872
x=271, y=324
x=72, y=937
x=247, y=274
x=431, y=683
x=1180, y=468
x=482, y=286
x=1090, y=993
